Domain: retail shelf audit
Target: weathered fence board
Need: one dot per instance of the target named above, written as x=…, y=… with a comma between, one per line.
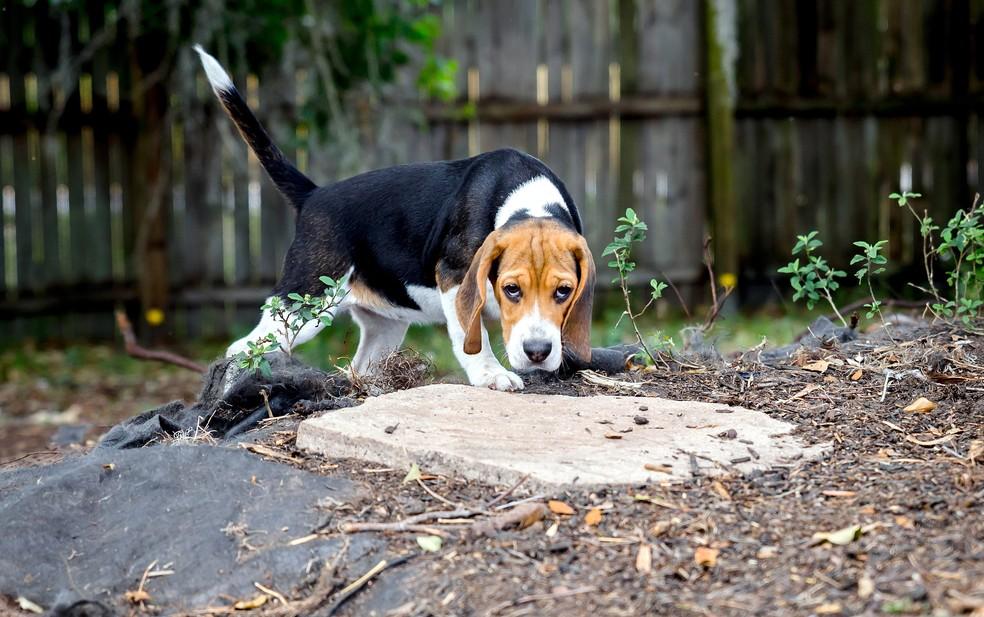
x=838, y=104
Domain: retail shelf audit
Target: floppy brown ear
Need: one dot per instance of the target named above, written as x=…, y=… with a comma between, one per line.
x=577, y=323
x=471, y=294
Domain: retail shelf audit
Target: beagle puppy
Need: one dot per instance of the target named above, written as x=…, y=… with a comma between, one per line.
x=495, y=236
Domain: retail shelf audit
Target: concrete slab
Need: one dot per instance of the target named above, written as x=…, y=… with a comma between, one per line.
x=498, y=437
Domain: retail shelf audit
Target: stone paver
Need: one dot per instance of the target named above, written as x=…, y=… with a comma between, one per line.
x=499, y=437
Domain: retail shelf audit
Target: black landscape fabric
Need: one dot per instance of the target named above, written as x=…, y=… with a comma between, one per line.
x=217, y=518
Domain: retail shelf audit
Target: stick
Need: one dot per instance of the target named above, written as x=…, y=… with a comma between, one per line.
x=541, y=596
x=356, y=585
x=357, y=527
x=508, y=492
x=134, y=350
x=435, y=495
x=407, y=523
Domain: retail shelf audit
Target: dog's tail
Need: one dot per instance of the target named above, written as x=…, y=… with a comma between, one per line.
x=294, y=185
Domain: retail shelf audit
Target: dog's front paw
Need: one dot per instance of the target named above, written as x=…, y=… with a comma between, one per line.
x=498, y=378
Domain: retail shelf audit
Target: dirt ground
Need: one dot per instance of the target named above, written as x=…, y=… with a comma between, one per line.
x=903, y=490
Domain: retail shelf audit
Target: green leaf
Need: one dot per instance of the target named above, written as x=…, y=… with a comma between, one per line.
x=413, y=475
x=431, y=544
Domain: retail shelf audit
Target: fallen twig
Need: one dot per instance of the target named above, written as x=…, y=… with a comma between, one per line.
x=134, y=350
x=356, y=585
x=509, y=491
x=537, y=597
x=408, y=524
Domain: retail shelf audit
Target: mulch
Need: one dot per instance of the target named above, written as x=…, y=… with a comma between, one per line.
x=910, y=485
x=908, y=488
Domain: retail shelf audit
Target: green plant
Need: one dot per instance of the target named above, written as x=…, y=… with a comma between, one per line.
x=961, y=244
x=873, y=263
x=291, y=317
x=632, y=230
x=926, y=229
x=814, y=279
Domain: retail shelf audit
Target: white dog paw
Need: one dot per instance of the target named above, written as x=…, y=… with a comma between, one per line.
x=498, y=379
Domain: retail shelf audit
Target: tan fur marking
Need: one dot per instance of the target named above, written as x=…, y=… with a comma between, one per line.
x=367, y=297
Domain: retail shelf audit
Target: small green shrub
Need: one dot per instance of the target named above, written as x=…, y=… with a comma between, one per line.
x=873, y=263
x=814, y=279
x=632, y=230
x=291, y=317
x=960, y=245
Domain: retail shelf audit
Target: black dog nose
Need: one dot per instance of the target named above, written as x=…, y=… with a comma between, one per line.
x=537, y=350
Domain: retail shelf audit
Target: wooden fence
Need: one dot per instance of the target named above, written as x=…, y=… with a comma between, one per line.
x=827, y=107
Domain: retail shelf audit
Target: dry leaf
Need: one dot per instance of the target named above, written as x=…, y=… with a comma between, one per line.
x=857, y=374
x=559, y=507
x=921, y=405
x=248, y=605
x=830, y=608
x=839, y=537
x=593, y=517
x=866, y=587
x=706, y=556
x=820, y=366
x=552, y=530
x=612, y=436
x=720, y=490
x=644, y=559
x=905, y=522
x=136, y=597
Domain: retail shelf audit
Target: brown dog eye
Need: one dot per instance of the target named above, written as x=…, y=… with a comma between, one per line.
x=562, y=293
x=512, y=291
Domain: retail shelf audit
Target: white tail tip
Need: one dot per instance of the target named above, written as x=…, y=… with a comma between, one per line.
x=217, y=75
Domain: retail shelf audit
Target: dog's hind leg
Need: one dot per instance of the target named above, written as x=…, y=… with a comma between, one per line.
x=379, y=337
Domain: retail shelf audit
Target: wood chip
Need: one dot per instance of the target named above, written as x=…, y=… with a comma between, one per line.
x=593, y=517
x=559, y=507
x=720, y=490
x=644, y=559
x=658, y=468
x=820, y=366
x=706, y=556
x=921, y=405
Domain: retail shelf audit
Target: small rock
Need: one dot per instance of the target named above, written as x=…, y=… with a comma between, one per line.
x=640, y=420
x=728, y=434
x=643, y=408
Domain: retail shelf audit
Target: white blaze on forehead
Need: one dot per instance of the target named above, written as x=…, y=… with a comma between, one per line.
x=533, y=196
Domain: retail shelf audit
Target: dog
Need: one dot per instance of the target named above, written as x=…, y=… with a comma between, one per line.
x=495, y=235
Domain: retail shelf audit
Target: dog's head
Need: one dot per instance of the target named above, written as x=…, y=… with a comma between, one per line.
x=542, y=275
